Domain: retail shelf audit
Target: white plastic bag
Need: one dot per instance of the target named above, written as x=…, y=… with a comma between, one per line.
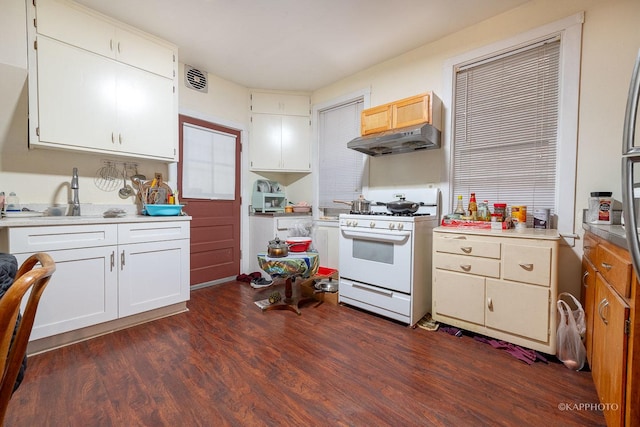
x=578, y=313
x=570, y=349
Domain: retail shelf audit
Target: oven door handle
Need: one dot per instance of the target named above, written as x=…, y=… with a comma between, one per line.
x=378, y=235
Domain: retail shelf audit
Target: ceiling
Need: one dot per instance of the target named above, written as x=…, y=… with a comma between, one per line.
x=298, y=45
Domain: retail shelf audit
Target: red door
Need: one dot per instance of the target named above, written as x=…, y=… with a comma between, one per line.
x=215, y=227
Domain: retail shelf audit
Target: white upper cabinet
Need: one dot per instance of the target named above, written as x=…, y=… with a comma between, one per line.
x=78, y=26
x=100, y=87
x=280, y=132
x=278, y=103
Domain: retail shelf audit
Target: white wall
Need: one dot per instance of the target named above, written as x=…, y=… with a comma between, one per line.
x=611, y=39
x=43, y=176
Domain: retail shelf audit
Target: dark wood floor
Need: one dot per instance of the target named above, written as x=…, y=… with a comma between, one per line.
x=227, y=363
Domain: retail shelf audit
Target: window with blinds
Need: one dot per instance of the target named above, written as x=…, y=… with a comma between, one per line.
x=340, y=169
x=505, y=127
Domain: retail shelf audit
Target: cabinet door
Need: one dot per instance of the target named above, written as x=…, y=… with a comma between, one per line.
x=587, y=298
x=152, y=275
x=144, y=53
x=411, y=111
x=518, y=309
x=69, y=23
x=376, y=119
x=296, y=147
x=459, y=296
x=146, y=119
x=610, y=350
x=277, y=103
x=76, y=97
x=82, y=292
x=266, y=141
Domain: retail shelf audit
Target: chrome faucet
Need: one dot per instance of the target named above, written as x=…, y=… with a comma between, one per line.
x=75, y=202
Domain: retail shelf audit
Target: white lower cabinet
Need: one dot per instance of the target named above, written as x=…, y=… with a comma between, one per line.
x=499, y=284
x=152, y=275
x=104, y=271
x=82, y=292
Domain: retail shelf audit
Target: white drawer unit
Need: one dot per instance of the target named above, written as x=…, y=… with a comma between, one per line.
x=502, y=284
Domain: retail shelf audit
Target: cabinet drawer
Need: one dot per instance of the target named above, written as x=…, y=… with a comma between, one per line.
x=459, y=244
x=529, y=264
x=615, y=269
x=45, y=239
x=589, y=248
x=370, y=296
x=459, y=296
x=140, y=232
x=464, y=264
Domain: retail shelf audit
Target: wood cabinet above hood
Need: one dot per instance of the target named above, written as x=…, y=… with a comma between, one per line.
x=409, y=124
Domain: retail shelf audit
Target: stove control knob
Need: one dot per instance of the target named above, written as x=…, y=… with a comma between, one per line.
x=400, y=226
x=348, y=223
x=391, y=226
x=372, y=224
x=355, y=223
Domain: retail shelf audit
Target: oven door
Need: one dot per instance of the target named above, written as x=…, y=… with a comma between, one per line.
x=377, y=257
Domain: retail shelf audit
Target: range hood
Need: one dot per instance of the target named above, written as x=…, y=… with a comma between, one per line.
x=402, y=140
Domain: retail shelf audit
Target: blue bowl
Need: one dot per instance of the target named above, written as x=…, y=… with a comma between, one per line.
x=162, y=210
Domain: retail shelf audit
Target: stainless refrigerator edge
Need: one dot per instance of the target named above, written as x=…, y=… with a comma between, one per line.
x=631, y=159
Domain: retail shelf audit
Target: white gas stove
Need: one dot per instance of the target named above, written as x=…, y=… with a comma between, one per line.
x=385, y=259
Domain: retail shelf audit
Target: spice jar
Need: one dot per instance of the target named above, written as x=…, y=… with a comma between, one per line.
x=500, y=210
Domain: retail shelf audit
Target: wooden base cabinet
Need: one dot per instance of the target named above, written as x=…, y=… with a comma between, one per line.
x=500, y=284
x=609, y=299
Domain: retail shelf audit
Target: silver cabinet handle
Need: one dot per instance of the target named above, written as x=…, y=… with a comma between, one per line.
x=122, y=260
x=466, y=249
x=113, y=260
x=584, y=279
x=465, y=267
x=528, y=267
x=490, y=303
x=606, y=266
x=604, y=303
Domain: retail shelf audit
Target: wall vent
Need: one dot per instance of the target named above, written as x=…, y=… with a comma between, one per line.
x=195, y=79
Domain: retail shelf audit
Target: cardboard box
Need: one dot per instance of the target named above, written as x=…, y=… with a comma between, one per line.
x=307, y=289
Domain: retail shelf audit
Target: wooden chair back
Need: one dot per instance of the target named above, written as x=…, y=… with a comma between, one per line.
x=28, y=277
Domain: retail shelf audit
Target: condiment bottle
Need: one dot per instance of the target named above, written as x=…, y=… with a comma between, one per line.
x=483, y=211
x=473, y=206
x=459, y=208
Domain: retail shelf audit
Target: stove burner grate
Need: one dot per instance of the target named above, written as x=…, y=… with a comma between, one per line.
x=389, y=213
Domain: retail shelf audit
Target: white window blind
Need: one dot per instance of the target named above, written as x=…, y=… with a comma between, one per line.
x=505, y=128
x=340, y=168
x=209, y=164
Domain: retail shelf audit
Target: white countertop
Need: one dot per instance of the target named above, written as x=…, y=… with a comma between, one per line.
x=39, y=221
x=529, y=233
